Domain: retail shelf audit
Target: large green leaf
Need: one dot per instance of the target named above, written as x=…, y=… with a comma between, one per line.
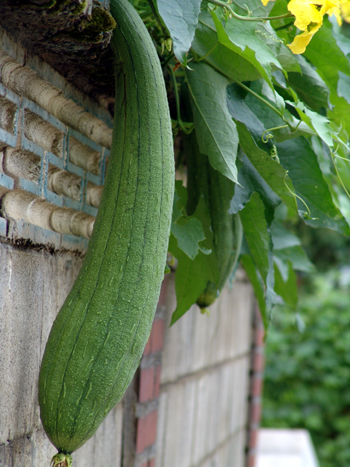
x=256, y=234
x=297, y=156
x=192, y=276
x=258, y=264
x=216, y=132
x=221, y=58
x=309, y=86
x=240, y=37
x=287, y=288
x=187, y=230
x=277, y=46
x=328, y=58
x=181, y=19
x=258, y=286
x=258, y=117
x=249, y=181
x=287, y=250
x=314, y=120
x=270, y=170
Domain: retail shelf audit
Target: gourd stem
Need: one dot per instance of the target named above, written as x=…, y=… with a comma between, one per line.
x=61, y=460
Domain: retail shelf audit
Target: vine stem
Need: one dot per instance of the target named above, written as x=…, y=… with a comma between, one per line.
x=187, y=131
x=265, y=139
x=295, y=195
x=264, y=101
x=247, y=18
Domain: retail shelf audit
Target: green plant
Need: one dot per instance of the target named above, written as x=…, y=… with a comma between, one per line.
x=98, y=337
x=217, y=190
x=274, y=127
x=307, y=372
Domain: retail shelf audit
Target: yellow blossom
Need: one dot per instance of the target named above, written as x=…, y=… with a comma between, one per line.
x=309, y=18
x=305, y=13
x=345, y=10
x=300, y=42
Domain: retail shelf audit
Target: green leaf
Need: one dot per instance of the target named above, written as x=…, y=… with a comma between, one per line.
x=249, y=181
x=270, y=170
x=224, y=60
x=277, y=46
x=297, y=156
x=180, y=201
x=329, y=60
x=287, y=249
x=265, y=296
x=258, y=239
x=181, y=19
x=192, y=276
x=240, y=37
x=314, y=120
x=252, y=7
x=256, y=234
x=309, y=86
x=257, y=284
x=216, y=132
x=287, y=289
x=281, y=237
x=295, y=255
x=187, y=230
x=262, y=113
x=343, y=87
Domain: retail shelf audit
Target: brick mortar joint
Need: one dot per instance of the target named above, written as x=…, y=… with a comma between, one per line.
x=148, y=454
x=145, y=408
x=152, y=360
x=205, y=370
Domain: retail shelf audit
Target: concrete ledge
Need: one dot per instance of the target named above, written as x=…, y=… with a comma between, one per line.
x=284, y=447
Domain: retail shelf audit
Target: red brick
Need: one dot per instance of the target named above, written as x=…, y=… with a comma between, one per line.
x=147, y=380
x=253, y=438
x=146, y=431
x=152, y=462
x=258, y=361
x=162, y=296
x=259, y=337
x=256, y=386
x=157, y=335
x=157, y=382
x=255, y=412
x=251, y=460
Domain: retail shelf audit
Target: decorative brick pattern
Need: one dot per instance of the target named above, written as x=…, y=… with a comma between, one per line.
x=54, y=144
x=256, y=385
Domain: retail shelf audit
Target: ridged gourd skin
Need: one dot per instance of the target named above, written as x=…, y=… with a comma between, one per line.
x=99, y=335
x=217, y=190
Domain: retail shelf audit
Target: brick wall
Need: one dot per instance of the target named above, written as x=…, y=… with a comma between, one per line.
x=203, y=402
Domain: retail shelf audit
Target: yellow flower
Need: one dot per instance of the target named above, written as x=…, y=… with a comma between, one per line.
x=300, y=42
x=309, y=18
x=305, y=12
x=345, y=10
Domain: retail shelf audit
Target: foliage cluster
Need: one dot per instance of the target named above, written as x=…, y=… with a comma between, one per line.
x=274, y=122
x=307, y=373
